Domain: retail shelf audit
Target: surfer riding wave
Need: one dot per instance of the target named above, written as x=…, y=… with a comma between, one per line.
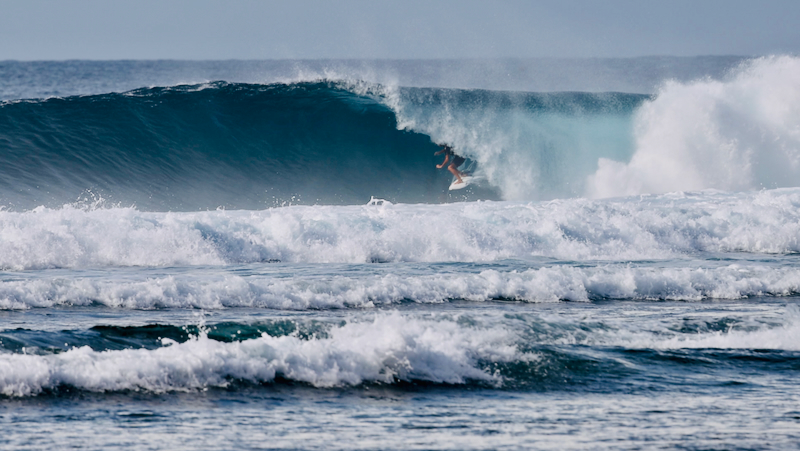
x=457, y=161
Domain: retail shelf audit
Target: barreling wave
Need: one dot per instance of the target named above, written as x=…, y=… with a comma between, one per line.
x=248, y=146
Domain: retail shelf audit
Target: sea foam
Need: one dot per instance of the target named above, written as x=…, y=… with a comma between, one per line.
x=741, y=133
x=545, y=284
x=734, y=133
x=653, y=227
x=385, y=349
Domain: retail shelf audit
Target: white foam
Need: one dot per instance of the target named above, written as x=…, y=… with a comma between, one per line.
x=547, y=284
x=654, y=227
x=748, y=332
x=380, y=350
x=739, y=134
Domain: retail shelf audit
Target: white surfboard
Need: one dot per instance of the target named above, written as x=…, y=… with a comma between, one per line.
x=465, y=181
x=378, y=202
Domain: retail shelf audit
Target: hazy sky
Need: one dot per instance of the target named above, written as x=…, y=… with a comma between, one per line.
x=250, y=29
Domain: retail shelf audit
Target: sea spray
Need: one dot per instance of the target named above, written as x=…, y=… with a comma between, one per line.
x=738, y=134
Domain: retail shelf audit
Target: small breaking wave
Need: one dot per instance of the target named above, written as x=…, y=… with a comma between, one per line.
x=384, y=350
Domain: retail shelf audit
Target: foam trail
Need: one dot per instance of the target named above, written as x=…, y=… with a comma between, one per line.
x=387, y=348
x=656, y=227
x=738, y=134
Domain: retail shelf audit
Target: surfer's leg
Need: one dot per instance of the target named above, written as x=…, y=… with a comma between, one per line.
x=452, y=168
x=457, y=161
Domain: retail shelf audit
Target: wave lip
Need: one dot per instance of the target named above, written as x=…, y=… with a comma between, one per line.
x=218, y=144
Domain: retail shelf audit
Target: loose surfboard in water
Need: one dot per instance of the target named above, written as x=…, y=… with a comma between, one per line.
x=466, y=180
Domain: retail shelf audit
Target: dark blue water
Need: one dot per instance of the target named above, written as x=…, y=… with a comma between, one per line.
x=196, y=266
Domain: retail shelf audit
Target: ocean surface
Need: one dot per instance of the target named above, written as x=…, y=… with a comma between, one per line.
x=192, y=255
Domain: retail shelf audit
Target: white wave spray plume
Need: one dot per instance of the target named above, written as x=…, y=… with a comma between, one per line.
x=739, y=134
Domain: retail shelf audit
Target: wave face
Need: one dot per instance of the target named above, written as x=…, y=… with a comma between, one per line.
x=516, y=351
x=653, y=227
x=255, y=146
x=233, y=145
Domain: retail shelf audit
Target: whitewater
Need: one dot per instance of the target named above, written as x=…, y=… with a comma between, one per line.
x=189, y=256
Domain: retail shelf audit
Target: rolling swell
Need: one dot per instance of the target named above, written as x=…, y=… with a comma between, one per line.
x=204, y=146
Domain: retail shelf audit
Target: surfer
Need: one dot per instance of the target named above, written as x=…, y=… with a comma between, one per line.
x=457, y=161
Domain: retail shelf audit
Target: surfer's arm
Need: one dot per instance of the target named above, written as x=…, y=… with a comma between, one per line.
x=440, y=166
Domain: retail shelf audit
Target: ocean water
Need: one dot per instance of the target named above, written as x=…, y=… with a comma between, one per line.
x=189, y=258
